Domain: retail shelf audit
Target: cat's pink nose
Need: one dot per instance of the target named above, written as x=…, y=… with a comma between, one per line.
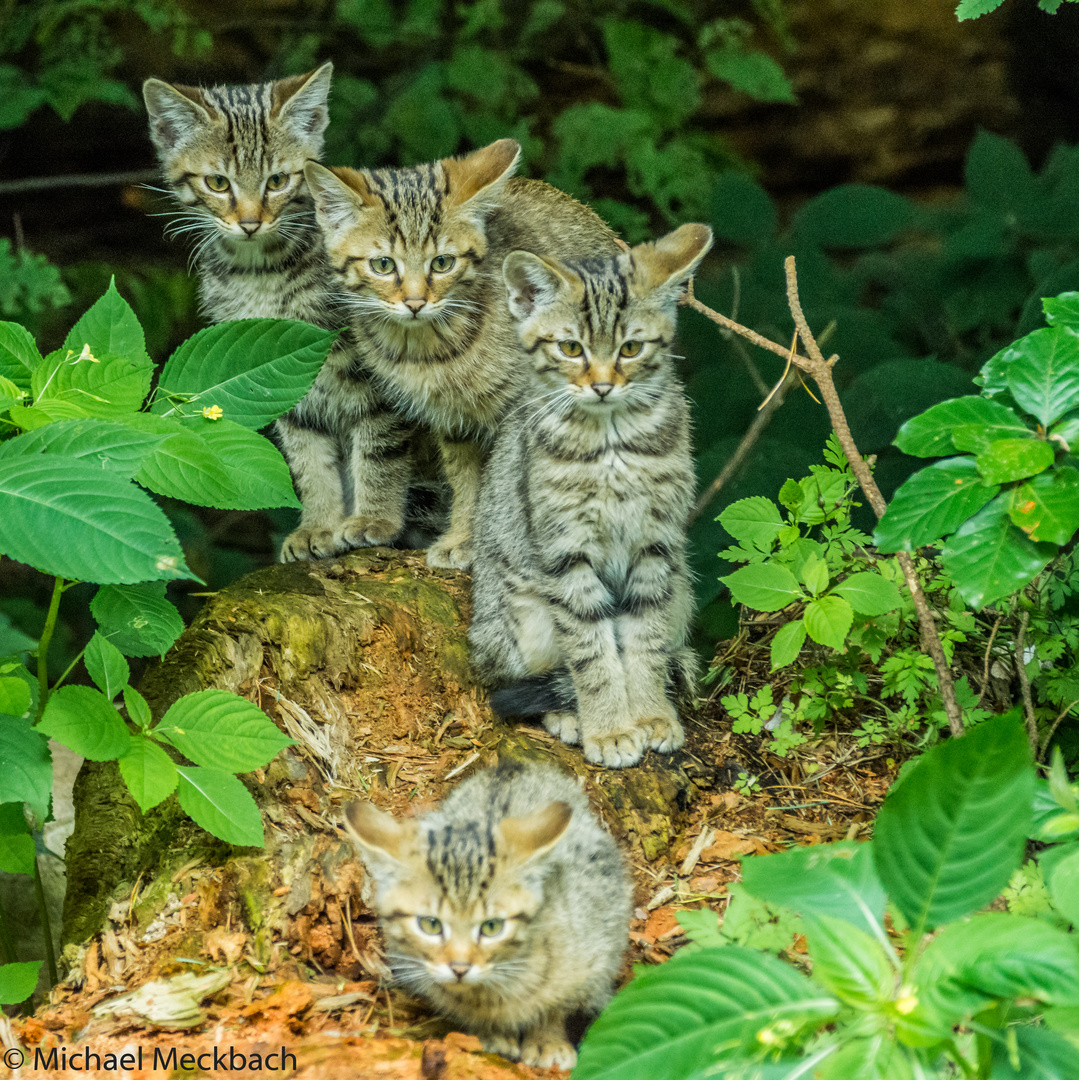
x=603, y=388
x=415, y=305
x=460, y=969
x=250, y=225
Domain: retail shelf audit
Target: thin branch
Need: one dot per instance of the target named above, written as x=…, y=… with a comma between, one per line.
x=50, y=183
x=1053, y=729
x=988, y=658
x=1024, y=681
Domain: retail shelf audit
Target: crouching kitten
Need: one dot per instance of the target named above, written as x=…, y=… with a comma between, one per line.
x=506, y=908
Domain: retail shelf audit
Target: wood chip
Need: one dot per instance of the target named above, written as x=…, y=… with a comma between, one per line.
x=707, y=836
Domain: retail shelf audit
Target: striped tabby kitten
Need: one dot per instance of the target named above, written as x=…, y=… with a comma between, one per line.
x=506, y=908
x=418, y=256
x=580, y=555
x=233, y=157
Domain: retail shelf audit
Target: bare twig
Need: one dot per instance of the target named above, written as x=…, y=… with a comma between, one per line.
x=1053, y=729
x=50, y=183
x=1024, y=681
x=988, y=658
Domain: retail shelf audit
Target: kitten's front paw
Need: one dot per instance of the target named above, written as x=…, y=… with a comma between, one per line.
x=548, y=1053
x=665, y=733
x=563, y=724
x=305, y=544
x=616, y=749
x=504, y=1045
x=450, y=553
x=360, y=531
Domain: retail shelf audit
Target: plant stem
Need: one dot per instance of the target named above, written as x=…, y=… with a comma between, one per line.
x=1024, y=682
x=50, y=955
x=43, y=646
x=71, y=667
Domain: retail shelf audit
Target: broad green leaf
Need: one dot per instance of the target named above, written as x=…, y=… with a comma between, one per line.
x=219, y=803
x=14, y=696
x=869, y=593
x=848, y=961
x=754, y=521
x=99, y=384
x=1043, y=372
x=831, y=879
x=930, y=504
x=854, y=216
x=787, y=643
x=137, y=619
x=828, y=620
x=1042, y=1054
x=1066, y=431
x=148, y=771
x=45, y=412
x=18, y=354
x=872, y=1057
x=988, y=558
x=930, y=434
x=223, y=729
x=814, y=574
x=754, y=73
x=1063, y=884
x=1063, y=1018
x=701, y=926
x=254, y=370
x=67, y=517
x=106, y=665
x=25, y=765
x=13, y=640
x=949, y=836
x=742, y=211
x=86, y=721
x=18, y=981
x=16, y=843
x=1046, y=508
x=670, y=1020
x=1063, y=309
x=1014, y=459
x=102, y=443
x=110, y=326
x=138, y=710
x=971, y=9
x=763, y=586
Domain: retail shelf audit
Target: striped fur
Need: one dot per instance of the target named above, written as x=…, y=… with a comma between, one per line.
x=580, y=564
x=519, y=845
x=259, y=254
x=417, y=255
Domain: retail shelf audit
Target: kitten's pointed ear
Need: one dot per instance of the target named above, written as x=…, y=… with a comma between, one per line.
x=299, y=102
x=533, y=282
x=175, y=111
x=377, y=833
x=523, y=838
x=673, y=258
x=481, y=173
x=340, y=195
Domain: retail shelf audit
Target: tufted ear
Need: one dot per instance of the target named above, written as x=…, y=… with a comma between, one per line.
x=524, y=838
x=378, y=834
x=175, y=112
x=482, y=173
x=340, y=195
x=299, y=102
x=533, y=282
x=673, y=258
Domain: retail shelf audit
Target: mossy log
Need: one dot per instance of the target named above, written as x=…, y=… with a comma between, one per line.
x=364, y=661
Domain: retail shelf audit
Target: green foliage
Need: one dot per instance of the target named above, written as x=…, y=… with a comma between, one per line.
x=971, y=9
x=877, y=1004
x=29, y=283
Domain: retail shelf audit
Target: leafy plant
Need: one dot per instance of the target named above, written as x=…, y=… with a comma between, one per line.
x=971, y=9
x=990, y=994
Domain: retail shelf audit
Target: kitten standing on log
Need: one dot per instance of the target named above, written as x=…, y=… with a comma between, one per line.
x=580, y=568
x=233, y=157
x=418, y=257
x=506, y=908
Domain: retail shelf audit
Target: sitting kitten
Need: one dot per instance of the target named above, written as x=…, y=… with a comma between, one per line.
x=418, y=256
x=506, y=908
x=580, y=555
x=233, y=157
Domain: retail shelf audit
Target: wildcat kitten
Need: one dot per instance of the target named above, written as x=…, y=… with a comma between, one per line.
x=418, y=256
x=506, y=907
x=233, y=157
x=580, y=560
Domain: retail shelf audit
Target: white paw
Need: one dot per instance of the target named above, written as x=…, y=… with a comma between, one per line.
x=360, y=531
x=563, y=724
x=307, y=543
x=503, y=1045
x=449, y=553
x=548, y=1054
x=665, y=733
x=616, y=749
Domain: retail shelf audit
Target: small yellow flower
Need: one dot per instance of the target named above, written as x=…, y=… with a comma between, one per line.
x=213, y=412
x=906, y=1004
x=768, y=1037
x=87, y=355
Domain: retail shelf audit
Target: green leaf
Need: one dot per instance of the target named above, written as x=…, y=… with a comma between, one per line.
x=18, y=354
x=1047, y=507
x=218, y=727
x=102, y=443
x=1014, y=459
x=669, y=1021
x=109, y=327
x=873, y=1057
x=754, y=73
x=828, y=620
x=753, y=521
x=988, y=558
x=1063, y=884
x=14, y=696
x=25, y=765
x=701, y=927
x=763, y=586
x=1043, y=372
x=72, y=519
x=648, y=73
x=106, y=665
x=1042, y=1055
x=219, y=803
x=102, y=385
x=45, y=412
x=869, y=593
x=254, y=370
x=930, y=504
x=13, y=640
x=1062, y=309
x=971, y=9
x=787, y=643
x=848, y=961
x=16, y=843
x=930, y=434
x=815, y=575
x=137, y=708
x=18, y=981
x=854, y=216
x=86, y=721
x=137, y=619
x=742, y=211
x=834, y=879
x=149, y=773
x=949, y=836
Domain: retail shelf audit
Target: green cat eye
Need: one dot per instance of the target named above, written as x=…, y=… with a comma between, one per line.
x=277, y=181
x=441, y=263
x=383, y=265
x=429, y=924
x=571, y=348
x=492, y=927
x=630, y=348
x=217, y=182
